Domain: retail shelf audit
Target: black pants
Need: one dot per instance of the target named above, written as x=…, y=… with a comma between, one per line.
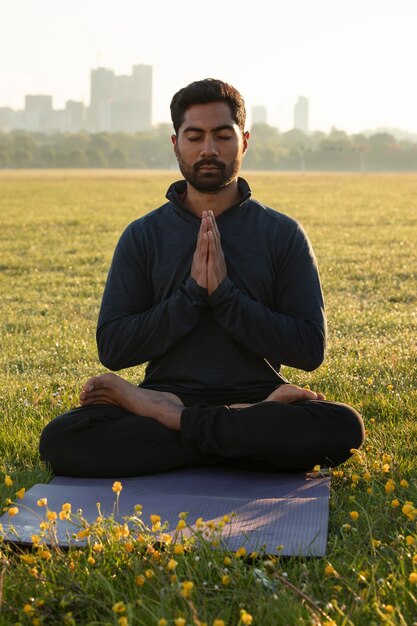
x=104, y=440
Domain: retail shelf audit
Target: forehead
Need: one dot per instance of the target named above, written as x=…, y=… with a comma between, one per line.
x=208, y=116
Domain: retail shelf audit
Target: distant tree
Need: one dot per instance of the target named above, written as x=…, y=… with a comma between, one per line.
x=22, y=158
x=96, y=158
x=47, y=157
x=4, y=157
x=117, y=158
x=77, y=158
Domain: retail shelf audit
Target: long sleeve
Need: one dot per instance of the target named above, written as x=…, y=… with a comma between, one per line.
x=292, y=331
x=136, y=325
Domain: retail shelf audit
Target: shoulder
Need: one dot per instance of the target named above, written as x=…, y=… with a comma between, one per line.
x=273, y=219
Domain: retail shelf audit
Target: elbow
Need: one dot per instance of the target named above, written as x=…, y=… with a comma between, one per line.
x=106, y=354
x=313, y=362
x=314, y=350
x=316, y=354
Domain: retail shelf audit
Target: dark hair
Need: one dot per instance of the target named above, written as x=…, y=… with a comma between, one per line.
x=203, y=92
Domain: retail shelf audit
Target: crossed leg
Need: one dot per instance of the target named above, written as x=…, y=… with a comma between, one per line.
x=166, y=407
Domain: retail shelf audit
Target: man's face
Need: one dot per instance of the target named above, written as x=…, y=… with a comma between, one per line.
x=209, y=147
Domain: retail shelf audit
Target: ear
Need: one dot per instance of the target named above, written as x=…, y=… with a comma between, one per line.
x=246, y=136
x=174, y=140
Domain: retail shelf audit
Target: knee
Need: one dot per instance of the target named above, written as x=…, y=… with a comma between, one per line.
x=48, y=442
x=350, y=432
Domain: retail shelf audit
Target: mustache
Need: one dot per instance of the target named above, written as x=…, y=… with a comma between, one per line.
x=214, y=162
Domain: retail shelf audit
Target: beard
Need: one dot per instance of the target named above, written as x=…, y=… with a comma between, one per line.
x=210, y=181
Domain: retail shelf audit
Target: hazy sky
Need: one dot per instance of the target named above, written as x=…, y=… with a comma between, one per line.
x=354, y=59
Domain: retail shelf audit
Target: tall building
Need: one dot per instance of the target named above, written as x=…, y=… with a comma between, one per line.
x=101, y=95
x=37, y=112
x=301, y=114
x=74, y=116
x=121, y=103
x=259, y=115
x=142, y=90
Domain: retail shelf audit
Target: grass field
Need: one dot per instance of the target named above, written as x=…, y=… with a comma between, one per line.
x=58, y=232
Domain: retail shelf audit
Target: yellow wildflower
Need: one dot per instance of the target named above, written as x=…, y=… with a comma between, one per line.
x=91, y=560
x=388, y=608
x=29, y=610
x=407, y=508
x=27, y=558
x=404, y=483
x=413, y=578
x=227, y=561
x=390, y=486
x=42, y=502
x=219, y=622
x=199, y=522
x=13, y=511
x=367, y=476
x=415, y=559
x=181, y=524
x=240, y=552
x=172, y=564
x=149, y=573
x=386, y=468
x=354, y=515
x=119, y=607
x=178, y=548
x=245, y=617
x=187, y=587
x=45, y=555
x=155, y=519
x=83, y=533
x=386, y=458
x=123, y=621
x=395, y=503
x=52, y=516
x=117, y=487
x=21, y=493
x=8, y=481
x=329, y=570
x=179, y=621
x=225, y=580
x=410, y=540
x=140, y=580
x=162, y=622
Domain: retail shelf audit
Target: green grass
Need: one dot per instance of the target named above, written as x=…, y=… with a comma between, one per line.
x=58, y=232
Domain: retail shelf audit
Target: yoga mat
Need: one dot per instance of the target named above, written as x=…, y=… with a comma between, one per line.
x=271, y=509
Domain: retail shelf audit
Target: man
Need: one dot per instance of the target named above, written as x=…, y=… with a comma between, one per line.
x=215, y=291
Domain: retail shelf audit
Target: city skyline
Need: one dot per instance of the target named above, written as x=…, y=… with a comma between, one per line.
x=354, y=62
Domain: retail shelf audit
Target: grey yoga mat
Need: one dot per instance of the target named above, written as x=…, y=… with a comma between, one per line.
x=276, y=513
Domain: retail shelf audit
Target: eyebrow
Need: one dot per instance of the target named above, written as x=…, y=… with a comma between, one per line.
x=195, y=129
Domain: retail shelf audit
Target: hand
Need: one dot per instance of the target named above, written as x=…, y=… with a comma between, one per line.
x=199, y=264
x=216, y=264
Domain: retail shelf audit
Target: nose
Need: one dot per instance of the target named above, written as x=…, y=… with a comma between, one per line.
x=209, y=148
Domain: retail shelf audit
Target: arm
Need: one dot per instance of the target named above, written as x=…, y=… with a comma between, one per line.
x=294, y=332
x=132, y=329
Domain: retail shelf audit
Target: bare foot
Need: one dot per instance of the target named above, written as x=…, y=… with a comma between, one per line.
x=109, y=388
x=287, y=394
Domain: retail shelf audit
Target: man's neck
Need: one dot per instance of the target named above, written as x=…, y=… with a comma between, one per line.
x=218, y=202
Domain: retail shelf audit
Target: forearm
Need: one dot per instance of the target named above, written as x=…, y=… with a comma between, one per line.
x=296, y=339
x=135, y=338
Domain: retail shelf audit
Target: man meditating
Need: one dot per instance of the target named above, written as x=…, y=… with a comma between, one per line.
x=215, y=291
